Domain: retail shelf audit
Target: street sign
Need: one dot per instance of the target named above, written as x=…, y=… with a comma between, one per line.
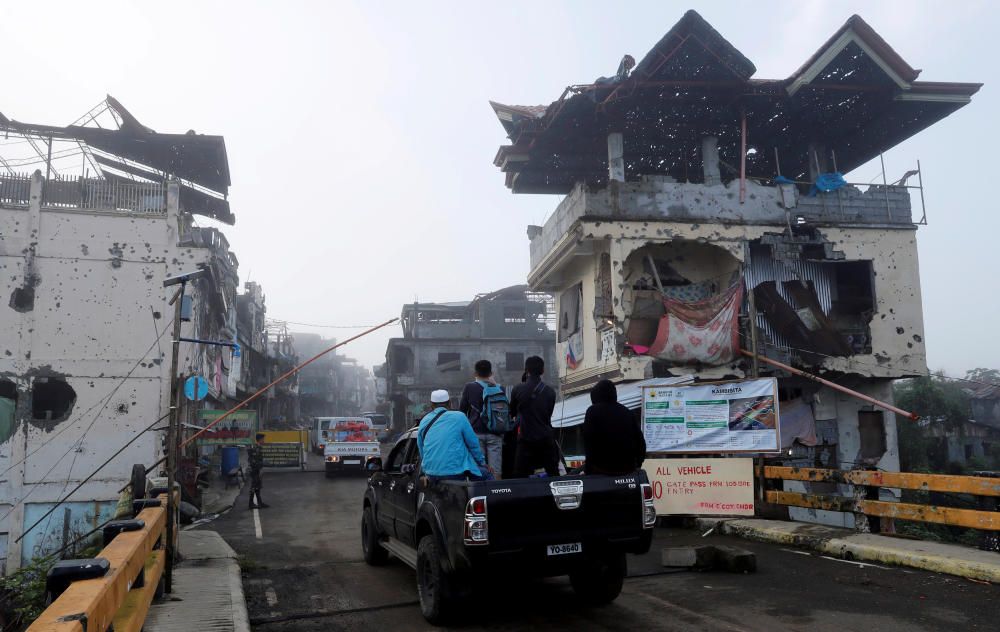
x=195, y=388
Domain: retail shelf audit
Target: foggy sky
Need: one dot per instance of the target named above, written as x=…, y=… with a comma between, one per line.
x=361, y=142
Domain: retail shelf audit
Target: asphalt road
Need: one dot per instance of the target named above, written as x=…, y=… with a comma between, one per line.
x=305, y=572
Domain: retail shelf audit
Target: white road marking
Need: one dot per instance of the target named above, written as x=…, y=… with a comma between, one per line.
x=796, y=552
x=272, y=597
x=256, y=524
x=861, y=564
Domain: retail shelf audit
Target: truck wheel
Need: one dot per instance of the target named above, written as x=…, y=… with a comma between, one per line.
x=433, y=584
x=600, y=581
x=375, y=555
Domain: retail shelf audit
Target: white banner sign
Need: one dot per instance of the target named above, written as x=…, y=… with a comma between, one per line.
x=719, y=417
x=712, y=487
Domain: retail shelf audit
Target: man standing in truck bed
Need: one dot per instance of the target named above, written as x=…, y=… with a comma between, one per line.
x=532, y=402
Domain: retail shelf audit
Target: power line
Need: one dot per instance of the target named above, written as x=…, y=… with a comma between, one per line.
x=292, y=322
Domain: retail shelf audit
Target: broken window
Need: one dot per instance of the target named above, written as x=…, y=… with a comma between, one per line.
x=603, y=306
x=514, y=361
x=9, y=390
x=871, y=429
x=570, y=312
x=514, y=314
x=448, y=361
x=52, y=399
x=402, y=359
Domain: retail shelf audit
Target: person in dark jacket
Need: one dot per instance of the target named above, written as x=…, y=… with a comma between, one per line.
x=532, y=402
x=612, y=439
x=255, y=456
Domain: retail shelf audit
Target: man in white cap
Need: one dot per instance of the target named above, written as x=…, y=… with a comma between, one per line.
x=449, y=449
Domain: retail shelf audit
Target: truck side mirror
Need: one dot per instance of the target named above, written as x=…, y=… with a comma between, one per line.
x=374, y=464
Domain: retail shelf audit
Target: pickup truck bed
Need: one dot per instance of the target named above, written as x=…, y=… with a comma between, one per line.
x=450, y=530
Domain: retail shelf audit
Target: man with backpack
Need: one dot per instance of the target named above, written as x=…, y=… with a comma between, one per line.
x=486, y=405
x=448, y=448
x=532, y=403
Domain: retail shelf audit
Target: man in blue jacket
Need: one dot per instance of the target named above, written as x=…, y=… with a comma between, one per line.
x=449, y=449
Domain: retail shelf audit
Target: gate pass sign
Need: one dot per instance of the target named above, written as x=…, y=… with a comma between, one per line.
x=701, y=487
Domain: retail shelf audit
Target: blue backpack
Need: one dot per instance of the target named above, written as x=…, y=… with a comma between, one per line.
x=495, y=414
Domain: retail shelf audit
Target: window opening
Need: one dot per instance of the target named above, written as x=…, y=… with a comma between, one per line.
x=449, y=362
x=871, y=428
x=514, y=314
x=570, y=303
x=52, y=399
x=514, y=361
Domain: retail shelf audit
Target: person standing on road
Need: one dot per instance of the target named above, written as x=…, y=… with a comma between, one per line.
x=471, y=405
x=256, y=458
x=532, y=402
x=449, y=449
x=612, y=439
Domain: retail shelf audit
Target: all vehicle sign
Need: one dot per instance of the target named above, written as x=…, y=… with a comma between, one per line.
x=701, y=487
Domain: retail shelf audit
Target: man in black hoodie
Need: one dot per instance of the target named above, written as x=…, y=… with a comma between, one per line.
x=532, y=402
x=612, y=439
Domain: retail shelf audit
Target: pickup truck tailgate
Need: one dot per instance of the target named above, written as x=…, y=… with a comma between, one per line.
x=540, y=511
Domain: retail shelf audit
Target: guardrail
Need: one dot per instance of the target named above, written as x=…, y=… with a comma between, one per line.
x=868, y=509
x=117, y=587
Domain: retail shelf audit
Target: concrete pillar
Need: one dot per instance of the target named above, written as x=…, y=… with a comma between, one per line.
x=616, y=157
x=710, y=160
x=174, y=227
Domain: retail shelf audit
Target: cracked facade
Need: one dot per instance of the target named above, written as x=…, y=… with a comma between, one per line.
x=686, y=178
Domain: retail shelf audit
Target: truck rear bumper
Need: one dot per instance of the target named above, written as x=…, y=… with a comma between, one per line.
x=535, y=560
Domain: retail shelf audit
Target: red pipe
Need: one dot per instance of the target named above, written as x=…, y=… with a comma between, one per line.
x=837, y=387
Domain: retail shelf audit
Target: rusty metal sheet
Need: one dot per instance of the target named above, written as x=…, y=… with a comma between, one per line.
x=976, y=485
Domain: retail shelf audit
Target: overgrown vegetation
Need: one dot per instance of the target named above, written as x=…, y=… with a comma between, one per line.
x=24, y=593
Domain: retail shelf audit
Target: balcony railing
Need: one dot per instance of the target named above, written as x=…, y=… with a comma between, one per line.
x=15, y=189
x=94, y=194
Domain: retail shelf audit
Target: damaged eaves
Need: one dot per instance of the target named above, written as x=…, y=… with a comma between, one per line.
x=855, y=96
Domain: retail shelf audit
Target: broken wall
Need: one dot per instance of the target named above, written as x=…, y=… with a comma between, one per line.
x=99, y=321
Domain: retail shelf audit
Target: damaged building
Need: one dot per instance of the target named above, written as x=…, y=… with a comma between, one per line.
x=102, y=214
x=704, y=208
x=442, y=342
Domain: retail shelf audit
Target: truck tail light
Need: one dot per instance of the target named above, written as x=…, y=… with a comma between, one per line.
x=476, y=525
x=648, y=509
x=333, y=459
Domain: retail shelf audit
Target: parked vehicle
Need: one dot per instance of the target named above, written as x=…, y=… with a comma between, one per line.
x=349, y=442
x=455, y=533
x=317, y=433
x=380, y=424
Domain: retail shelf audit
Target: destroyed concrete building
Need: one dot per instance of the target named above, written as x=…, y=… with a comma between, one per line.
x=267, y=351
x=334, y=385
x=690, y=186
x=86, y=242
x=442, y=342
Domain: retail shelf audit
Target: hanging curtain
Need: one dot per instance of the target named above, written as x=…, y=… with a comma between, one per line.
x=700, y=332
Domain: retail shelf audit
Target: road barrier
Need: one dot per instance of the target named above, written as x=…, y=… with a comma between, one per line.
x=286, y=436
x=116, y=587
x=867, y=507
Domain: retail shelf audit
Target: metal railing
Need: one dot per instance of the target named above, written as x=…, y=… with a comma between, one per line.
x=122, y=596
x=94, y=194
x=15, y=189
x=868, y=509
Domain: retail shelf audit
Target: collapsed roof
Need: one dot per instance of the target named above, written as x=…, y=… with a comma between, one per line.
x=136, y=151
x=855, y=96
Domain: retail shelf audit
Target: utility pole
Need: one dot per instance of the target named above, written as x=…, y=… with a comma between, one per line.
x=172, y=433
x=173, y=428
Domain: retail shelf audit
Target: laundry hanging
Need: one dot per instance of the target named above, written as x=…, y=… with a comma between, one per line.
x=700, y=332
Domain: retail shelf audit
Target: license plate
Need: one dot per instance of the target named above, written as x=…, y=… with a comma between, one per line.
x=565, y=549
x=352, y=461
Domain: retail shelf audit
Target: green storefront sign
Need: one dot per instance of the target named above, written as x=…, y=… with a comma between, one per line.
x=237, y=428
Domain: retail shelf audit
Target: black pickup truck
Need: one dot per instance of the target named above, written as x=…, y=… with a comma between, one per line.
x=457, y=534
